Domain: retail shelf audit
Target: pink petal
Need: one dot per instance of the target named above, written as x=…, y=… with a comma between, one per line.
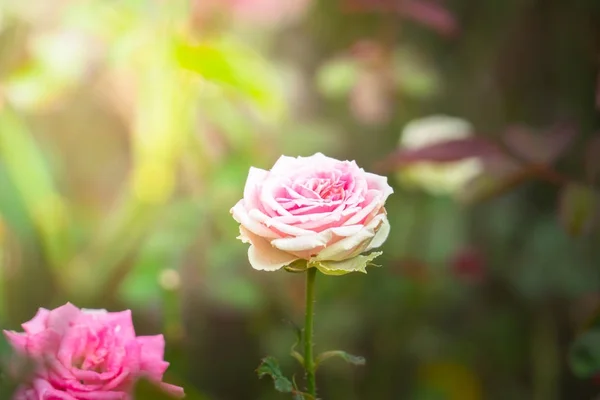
x=241, y=215
x=172, y=390
x=254, y=181
x=18, y=341
x=62, y=317
x=45, y=391
x=152, y=349
x=380, y=183
x=38, y=323
x=122, y=322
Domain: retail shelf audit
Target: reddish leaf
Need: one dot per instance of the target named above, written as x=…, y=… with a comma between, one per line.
x=443, y=152
x=428, y=13
x=539, y=147
x=432, y=15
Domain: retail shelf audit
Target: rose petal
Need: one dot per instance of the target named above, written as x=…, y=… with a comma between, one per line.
x=60, y=318
x=152, y=349
x=302, y=243
x=374, y=201
x=241, y=215
x=381, y=235
x=172, y=390
x=269, y=222
x=17, y=340
x=45, y=391
x=353, y=245
x=267, y=200
x=380, y=183
x=256, y=176
x=262, y=255
x=122, y=322
x=38, y=323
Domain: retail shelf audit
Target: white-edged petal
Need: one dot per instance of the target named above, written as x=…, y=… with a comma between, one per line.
x=262, y=255
x=381, y=235
x=241, y=215
x=353, y=245
x=380, y=183
x=303, y=243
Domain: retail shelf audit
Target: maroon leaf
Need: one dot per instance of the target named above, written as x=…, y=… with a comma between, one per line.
x=443, y=152
x=539, y=147
x=432, y=15
x=428, y=13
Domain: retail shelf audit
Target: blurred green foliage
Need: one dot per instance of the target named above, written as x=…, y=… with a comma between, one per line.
x=127, y=129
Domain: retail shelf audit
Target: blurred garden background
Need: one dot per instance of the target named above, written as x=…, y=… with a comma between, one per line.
x=127, y=129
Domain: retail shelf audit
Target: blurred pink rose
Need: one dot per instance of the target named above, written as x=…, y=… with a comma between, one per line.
x=317, y=209
x=269, y=11
x=252, y=12
x=87, y=354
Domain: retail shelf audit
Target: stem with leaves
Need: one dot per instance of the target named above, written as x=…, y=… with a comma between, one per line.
x=309, y=362
x=269, y=365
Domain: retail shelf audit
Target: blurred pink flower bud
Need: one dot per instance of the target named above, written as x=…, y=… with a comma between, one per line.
x=468, y=265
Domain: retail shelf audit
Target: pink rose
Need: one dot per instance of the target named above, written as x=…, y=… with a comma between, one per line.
x=319, y=209
x=87, y=355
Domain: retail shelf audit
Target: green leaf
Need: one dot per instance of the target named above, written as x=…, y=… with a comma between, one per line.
x=584, y=355
x=26, y=167
x=12, y=209
x=232, y=65
x=269, y=366
x=336, y=268
x=578, y=208
x=349, y=358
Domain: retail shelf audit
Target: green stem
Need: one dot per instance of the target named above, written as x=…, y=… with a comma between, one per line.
x=309, y=361
x=545, y=356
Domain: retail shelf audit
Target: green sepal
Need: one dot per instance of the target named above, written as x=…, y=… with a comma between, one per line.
x=297, y=266
x=355, y=264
